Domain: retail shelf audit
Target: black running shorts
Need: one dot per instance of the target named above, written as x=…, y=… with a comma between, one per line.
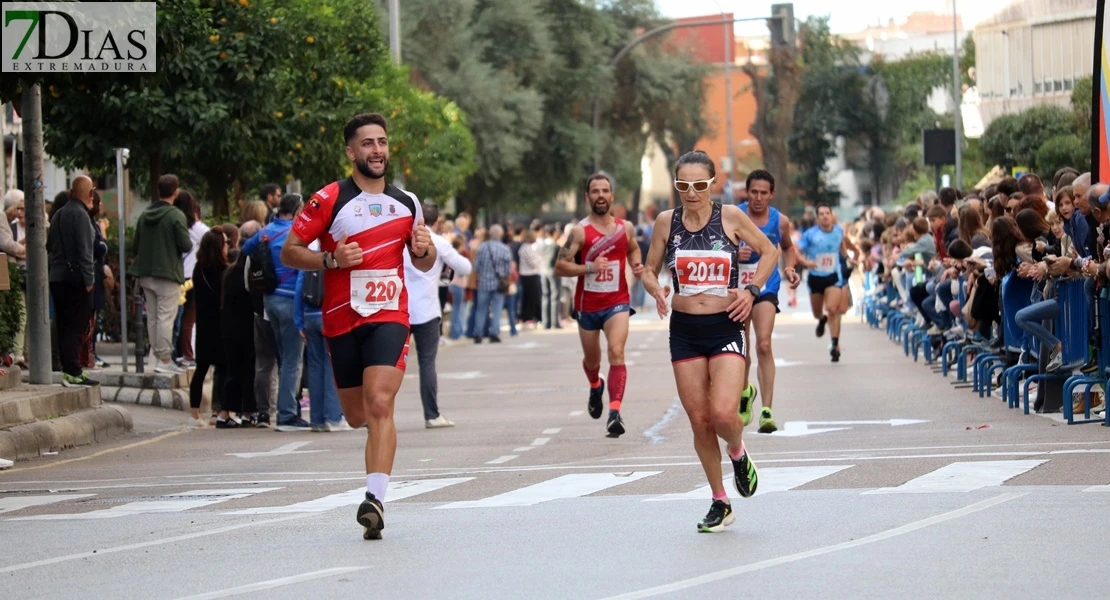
x=694, y=337
x=368, y=345
x=819, y=283
x=771, y=297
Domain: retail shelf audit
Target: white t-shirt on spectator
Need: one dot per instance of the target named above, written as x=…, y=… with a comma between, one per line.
x=196, y=232
x=423, y=287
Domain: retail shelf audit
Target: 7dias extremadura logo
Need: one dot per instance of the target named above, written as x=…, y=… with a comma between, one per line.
x=79, y=37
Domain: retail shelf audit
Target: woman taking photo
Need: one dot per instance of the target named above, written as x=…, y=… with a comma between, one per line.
x=208, y=289
x=698, y=243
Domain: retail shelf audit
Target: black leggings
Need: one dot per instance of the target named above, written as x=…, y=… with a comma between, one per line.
x=219, y=382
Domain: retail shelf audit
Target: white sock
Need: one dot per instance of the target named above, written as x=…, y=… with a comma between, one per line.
x=376, y=483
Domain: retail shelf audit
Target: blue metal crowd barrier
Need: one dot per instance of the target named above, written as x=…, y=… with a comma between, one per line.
x=1072, y=328
x=1087, y=382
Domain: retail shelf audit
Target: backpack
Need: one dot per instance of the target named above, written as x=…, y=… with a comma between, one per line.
x=262, y=274
x=312, y=289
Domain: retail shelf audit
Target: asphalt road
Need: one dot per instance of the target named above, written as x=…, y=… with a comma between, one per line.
x=885, y=483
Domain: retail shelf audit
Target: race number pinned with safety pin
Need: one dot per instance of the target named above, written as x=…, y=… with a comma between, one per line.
x=703, y=272
x=604, y=280
x=827, y=261
x=746, y=274
x=375, y=290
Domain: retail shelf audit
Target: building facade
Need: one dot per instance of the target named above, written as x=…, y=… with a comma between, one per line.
x=1032, y=53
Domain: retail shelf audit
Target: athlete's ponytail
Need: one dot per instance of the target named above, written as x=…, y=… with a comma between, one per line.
x=696, y=157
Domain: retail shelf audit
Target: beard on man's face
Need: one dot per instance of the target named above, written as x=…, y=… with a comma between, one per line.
x=600, y=208
x=365, y=168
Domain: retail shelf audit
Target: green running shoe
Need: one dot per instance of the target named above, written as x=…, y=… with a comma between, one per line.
x=766, y=423
x=746, y=401
x=745, y=475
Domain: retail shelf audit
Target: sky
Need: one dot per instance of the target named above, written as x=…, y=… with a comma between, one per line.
x=846, y=16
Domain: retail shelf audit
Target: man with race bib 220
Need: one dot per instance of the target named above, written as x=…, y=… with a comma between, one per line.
x=596, y=252
x=365, y=226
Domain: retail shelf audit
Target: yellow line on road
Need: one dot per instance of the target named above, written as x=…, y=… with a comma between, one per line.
x=95, y=454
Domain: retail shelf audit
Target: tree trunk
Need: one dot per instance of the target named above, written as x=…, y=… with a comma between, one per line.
x=774, y=116
x=220, y=180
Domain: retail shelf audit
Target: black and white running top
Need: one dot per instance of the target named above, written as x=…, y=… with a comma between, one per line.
x=703, y=261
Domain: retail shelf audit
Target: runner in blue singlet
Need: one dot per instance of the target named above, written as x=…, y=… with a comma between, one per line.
x=822, y=246
x=761, y=189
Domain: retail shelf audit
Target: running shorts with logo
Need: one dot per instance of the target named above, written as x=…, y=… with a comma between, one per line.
x=598, y=296
x=372, y=293
x=773, y=230
x=694, y=337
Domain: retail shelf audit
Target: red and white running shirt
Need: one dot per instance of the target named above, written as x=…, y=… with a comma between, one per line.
x=382, y=225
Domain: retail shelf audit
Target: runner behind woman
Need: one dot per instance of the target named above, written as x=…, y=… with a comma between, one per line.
x=595, y=252
x=698, y=242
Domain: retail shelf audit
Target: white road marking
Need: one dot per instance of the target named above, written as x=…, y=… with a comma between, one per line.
x=964, y=477
x=291, y=448
x=1098, y=488
x=577, y=413
x=540, y=441
x=174, y=503
x=635, y=354
x=653, y=432
x=801, y=428
x=567, y=486
x=630, y=363
x=771, y=479
x=790, y=558
x=524, y=449
x=528, y=345
x=273, y=583
x=464, y=375
x=502, y=459
x=20, y=502
x=398, y=490
x=782, y=363
x=159, y=542
x=552, y=431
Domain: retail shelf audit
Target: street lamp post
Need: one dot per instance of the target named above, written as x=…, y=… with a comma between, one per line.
x=957, y=97
x=728, y=99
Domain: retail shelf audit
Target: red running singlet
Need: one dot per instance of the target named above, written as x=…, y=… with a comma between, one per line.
x=605, y=289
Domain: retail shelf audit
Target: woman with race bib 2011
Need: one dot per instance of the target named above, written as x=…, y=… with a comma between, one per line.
x=698, y=242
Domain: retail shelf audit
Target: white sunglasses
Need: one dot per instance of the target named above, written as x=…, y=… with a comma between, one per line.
x=699, y=186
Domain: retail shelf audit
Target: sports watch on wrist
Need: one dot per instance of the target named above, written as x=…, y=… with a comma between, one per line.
x=753, y=290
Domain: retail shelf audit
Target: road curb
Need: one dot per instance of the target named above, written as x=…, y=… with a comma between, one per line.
x=78, y=429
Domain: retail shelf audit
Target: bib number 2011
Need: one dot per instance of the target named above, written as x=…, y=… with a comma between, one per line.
x=708, y=273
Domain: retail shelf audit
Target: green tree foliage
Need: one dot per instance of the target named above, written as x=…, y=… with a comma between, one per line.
x=1062, y=151
x=1014, y=140
x=250, y=91
x=526, y=72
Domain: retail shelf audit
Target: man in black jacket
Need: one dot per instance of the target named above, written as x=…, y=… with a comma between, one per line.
x=70, y=246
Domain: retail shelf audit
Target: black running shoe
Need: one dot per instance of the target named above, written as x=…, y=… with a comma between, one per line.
x=372, y=517
x=821, y=326
x=745, y=475
x=720, y=516
x=835, y=354
x=615, y=426
x=596, y=395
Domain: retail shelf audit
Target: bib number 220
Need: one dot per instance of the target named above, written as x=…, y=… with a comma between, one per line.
x=375, y=290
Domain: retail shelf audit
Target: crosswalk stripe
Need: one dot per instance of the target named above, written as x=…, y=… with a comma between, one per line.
x=174, y=503
x=566, y=486
x=20, y=502
x=771, y=479
x=398, y=490
x=964, y=477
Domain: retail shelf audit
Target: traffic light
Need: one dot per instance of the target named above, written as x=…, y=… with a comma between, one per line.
x=782, y=26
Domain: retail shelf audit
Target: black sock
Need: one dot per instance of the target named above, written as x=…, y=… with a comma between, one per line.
x=836, y=342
